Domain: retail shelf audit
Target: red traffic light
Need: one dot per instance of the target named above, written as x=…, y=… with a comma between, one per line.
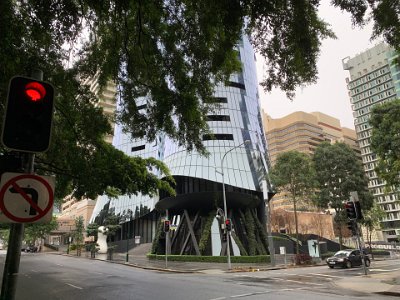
x=28, y=115
x=228, y=224
x=35, y=91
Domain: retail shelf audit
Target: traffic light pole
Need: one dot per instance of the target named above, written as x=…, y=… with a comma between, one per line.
x=166, y=241
x=13, y=258
x=361, y=250
x=11, y=266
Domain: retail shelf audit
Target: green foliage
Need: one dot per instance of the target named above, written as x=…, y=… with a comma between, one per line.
x=206, y=233
x=36, y=231
x=340, y=172
x=385, y=140
x=175, y=53
x=78, y=234
x=4, y=236
x=213, y=259
x=294, y=173
x=92, y=230
x=155, y=246
x=251, y=237
x=261, y=233
x=239, y=243
x=111, y=225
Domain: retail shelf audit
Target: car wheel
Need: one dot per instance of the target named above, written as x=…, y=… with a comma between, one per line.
x=348, y=264
x=330, y=267
x=367, y=263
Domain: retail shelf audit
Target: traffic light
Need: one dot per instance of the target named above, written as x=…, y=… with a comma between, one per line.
x=359, y=215
x=350, y=210
x=352, y=226
x=167, y=224
x=228, y=224
x=29, y=114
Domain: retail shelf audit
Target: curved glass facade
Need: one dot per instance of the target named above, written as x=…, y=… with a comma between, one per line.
x=236, y=120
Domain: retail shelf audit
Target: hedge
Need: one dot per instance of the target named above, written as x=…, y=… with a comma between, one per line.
x=213, y=259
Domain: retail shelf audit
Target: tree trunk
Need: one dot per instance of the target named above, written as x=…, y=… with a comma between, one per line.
x=296, y=226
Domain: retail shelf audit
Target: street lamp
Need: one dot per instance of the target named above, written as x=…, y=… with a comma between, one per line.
x=128, y=218
x=228, y=250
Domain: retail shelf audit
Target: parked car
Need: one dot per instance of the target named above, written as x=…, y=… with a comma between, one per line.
x=29, y=249
x=347, y=259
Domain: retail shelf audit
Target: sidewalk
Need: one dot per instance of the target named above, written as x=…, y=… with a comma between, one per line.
x=384, y=284
x=387, y=283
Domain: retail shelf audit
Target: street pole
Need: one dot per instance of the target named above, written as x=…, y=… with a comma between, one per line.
x=166, y=241
x=271, y=247
x=228, y=236
x=127, y=239
x=11, y=265
x=228, y=233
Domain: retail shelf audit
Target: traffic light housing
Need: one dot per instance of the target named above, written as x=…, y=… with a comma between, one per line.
x=357, y=206
x=350, y=210
x=167, y=224
x=228, y=224
x=352, y=226
x=28, y=116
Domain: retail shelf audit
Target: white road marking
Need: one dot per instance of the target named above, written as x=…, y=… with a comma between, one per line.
x=242, y=295
x=384, y=270
x=325, y=275
x=34, y=271
x=220, y=298
x=59, y=265
x=74, y=286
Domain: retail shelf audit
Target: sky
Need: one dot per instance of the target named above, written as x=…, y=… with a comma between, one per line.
x=329, y=95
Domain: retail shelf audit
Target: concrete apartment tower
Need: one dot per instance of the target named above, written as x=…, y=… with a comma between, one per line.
x=373, y=80
x=238, y=136
x=303, y=132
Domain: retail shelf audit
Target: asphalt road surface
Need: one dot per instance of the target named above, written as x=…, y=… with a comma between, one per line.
x=47, y=277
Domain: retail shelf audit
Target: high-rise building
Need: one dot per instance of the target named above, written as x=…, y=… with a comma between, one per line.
x=238, y=136
x=373, y=80
x=72, y=207
x=303, y=132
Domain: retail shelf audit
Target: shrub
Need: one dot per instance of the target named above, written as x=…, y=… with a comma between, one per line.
x=213, y=259
x=302, y=259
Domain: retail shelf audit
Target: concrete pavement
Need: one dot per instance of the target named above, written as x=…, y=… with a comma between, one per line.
x=387, y=283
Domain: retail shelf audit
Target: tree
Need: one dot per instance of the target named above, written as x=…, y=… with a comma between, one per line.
x=385, y=141
x=294, y=174
x=371, y=222
x=111, y=224
x=78, y=234
x=172, y=52
x=36, y=231
x=339, y=172
x=92, y=229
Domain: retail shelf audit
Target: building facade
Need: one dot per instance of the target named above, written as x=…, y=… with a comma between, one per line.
x=303, y=132
x=238, y=139
x=72, y=207
x=374, y=79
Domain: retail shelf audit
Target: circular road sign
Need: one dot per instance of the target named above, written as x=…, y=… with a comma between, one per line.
x=26, y=190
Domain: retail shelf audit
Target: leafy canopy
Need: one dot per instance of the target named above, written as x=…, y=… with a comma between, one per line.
x=294, y=173
x=174, y=52
x=339, y=172
x=385, y=140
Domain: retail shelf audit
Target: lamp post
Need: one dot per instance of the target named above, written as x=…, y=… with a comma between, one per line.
x=126, y=218
x=228, y=250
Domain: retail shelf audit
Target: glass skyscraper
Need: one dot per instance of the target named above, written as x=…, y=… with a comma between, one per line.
x=238, y=134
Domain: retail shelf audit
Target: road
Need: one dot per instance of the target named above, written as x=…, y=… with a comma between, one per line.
x=47, y=276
